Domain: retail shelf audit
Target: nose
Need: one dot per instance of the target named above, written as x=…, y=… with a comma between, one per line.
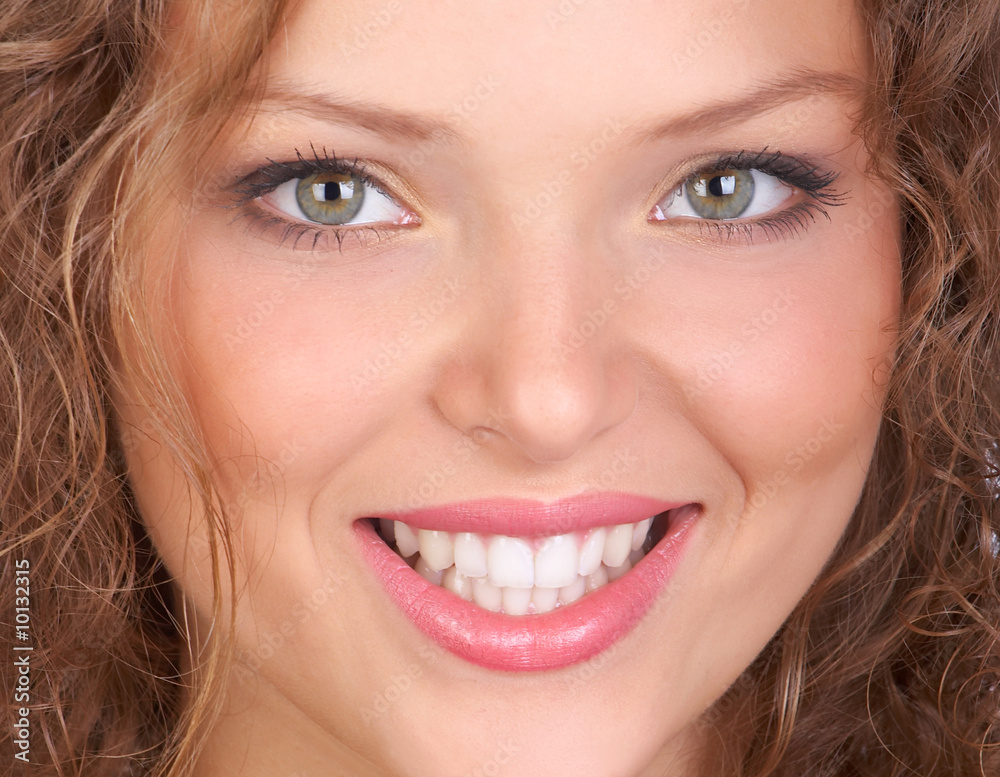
x=540, y=368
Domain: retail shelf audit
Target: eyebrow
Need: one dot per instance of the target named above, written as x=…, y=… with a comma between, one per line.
x=407, y=126
x=370, y=116
x=759, y=100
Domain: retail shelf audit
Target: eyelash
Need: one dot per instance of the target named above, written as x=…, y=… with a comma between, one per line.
x=817, y=184
x=266, y=179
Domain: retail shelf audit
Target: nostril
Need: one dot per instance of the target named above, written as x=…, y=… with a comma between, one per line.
x=527, y=389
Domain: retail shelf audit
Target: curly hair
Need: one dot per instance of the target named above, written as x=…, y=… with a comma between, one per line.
x=890, y=664
x=90, y=106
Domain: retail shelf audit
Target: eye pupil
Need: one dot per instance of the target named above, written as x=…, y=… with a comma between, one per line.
x=330, y=198
x=333, y=190
x=722, y=185
x=721, y=194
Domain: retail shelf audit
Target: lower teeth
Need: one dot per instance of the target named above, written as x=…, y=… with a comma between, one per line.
x=534, y=600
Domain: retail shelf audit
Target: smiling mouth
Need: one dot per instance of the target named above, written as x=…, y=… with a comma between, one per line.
x=526, y=575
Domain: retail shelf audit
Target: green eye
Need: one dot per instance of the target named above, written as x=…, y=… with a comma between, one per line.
x=330, y=198
x=722, y=194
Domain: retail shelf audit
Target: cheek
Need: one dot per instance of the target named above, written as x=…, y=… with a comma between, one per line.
x=786, y=378
x=806, y=385
x=290, y=371
x=269, y=379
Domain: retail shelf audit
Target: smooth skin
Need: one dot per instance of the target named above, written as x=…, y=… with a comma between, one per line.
x=450, y=358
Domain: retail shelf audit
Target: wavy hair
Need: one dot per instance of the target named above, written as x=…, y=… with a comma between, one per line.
x=890, y=664
x=92, y=102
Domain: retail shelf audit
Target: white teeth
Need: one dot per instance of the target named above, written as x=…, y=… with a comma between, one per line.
x=596, y=580
x=424, y=570
x=639, y=533
x=615, y=572
x=470, y=555
x=556, y=561
x=436, y=548
x=516, y=600
x=511, y=562
x=406, y=540
x=618, y=545
x=486, y=595
x=574, y=591
x=544, y=599
x=457, y=583
x=519, y=576
x=591, y=552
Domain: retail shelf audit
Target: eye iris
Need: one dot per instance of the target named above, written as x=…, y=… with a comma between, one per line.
x=330, y=198
x=723, y=194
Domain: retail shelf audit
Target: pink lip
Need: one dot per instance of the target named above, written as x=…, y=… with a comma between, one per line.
x=530, y=518
x=560, y=638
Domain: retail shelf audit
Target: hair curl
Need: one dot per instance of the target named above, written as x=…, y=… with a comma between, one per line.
x=90, y=108
x=889, y=665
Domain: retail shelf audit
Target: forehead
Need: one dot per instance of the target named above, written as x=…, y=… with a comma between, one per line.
x=546, y=66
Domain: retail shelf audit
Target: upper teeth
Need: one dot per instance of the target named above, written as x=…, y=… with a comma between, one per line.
x=516, y=562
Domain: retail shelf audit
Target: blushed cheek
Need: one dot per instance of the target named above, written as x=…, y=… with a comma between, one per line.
x=793, y=386
x=289, y=371
x=271, y=383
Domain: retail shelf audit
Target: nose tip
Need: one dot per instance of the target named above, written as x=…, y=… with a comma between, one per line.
x=563, y=405
x=544, y=381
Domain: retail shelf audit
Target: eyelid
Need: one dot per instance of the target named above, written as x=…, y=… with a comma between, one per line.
x=268, y=177
x=767, y=187
x=250, y=190
x=814, y=182
x=283, y=199
x=799, y=172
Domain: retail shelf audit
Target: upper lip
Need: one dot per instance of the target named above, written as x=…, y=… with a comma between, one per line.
x=517, y=517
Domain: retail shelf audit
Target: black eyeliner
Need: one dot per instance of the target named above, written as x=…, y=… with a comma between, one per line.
x=267, y=178
x=809, y=178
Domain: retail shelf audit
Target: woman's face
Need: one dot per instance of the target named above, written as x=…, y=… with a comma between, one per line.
x=595, y=263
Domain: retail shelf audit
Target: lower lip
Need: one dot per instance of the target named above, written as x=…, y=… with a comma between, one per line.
x=527, y=643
